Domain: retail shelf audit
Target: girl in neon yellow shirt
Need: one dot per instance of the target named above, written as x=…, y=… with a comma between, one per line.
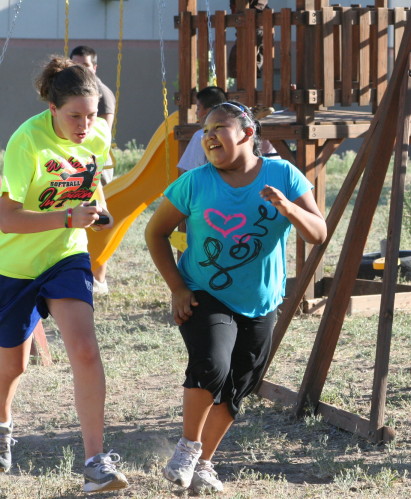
x=52, y=167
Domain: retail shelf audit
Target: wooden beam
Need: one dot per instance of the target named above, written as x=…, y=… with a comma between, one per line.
x=333, y=415
x=347, y=56
x=400, y=17
x=328, y=56
x=391, y=268
x=382, y=50
x=187, y=66
x=203, y=66
x=251, y=56
x=326, y=150
x=364, y=58
x=296, y=294
x=284, y=150
x=220, y=49
x=337, y=131
x=268, y=63
x=375, y=167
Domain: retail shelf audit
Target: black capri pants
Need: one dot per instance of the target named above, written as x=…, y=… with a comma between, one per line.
x=227, y=351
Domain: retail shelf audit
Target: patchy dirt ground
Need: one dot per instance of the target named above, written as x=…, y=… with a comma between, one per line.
x=267, y=453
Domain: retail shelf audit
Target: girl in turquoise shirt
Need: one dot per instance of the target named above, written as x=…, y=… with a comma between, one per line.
x=239, y=209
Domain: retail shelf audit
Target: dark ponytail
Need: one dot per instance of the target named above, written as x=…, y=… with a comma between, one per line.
x=61, y=78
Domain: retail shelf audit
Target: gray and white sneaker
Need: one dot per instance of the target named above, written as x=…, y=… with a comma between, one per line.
x=101, y=474
x=205, y=479
x=180, y=468
x=6, y=441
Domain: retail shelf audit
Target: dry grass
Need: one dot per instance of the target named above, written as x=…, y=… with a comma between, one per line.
x=267, y=454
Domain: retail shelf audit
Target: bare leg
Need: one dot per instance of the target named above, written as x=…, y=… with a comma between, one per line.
x=196, y=406
x=13, y=363
x=218, y=422
x=203, y=421
x=75, y=321
x=100, y=272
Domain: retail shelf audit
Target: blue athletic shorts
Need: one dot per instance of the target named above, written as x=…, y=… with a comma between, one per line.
x=23, y=301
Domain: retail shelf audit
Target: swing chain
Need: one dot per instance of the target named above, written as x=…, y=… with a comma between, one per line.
x=66, y=33
x=211, y=46
x=17, y=8
x=119, y=61
x=161, y=5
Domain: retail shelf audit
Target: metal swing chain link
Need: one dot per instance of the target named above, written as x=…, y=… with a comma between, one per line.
x=119, y=62
x=161, y=5
x=211, y=46
x=66, y=33
x=17, y=8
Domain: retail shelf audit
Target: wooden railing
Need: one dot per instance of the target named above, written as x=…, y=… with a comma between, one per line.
x=334, y=56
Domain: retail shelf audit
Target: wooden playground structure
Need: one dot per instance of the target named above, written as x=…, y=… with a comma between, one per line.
x=348, y=84
x=338, y=58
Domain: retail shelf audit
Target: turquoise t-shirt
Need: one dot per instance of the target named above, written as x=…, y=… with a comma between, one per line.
x=236, y=240
x=47, y=173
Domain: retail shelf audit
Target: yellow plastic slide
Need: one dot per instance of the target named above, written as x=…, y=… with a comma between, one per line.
x=129, y=195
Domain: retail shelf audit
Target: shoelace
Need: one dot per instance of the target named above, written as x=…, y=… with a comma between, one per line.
x=185, y=455
x=106, y=463
x=6, y=441
x=206, y=466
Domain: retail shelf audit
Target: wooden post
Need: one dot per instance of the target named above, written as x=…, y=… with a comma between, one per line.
x=268, y=66
x=346, y=57
x=379, y=391
x=328, y=57
x=376, y=165
x=384, y=111
x=250, y=79
x=364, y=58
x=187, y=61
x=285, y=88
x=203, y=65
x=220, y=49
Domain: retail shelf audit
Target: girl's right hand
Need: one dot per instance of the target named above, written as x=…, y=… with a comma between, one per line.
x=181, y=303
x=84, y=215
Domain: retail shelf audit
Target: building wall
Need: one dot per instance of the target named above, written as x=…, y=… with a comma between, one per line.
x=39, y=31
x=140, y=106
x=95, y=23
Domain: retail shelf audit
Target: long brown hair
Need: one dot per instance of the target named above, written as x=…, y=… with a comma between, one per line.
x=61, y=78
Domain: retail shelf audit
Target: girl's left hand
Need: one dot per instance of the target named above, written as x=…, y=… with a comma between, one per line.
x=276, y=198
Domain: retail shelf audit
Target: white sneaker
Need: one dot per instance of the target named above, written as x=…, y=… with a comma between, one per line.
x=205, y=479
x=100, y=288
x=101, y=474
x=6, y=441
x=180, y=468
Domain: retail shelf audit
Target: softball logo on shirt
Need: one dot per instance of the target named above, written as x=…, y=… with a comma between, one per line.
x=70, y=180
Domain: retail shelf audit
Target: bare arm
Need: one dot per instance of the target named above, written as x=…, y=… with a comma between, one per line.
x=165, y=219
x=109, y=117
x=15, y=219
x=303, y=213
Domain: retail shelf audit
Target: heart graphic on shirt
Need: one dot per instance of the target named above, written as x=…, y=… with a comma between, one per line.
x=225, y=219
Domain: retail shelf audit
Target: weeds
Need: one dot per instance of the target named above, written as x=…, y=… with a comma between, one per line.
x=266, y=454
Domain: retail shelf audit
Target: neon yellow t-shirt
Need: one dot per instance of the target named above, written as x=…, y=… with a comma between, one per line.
x=47, y=173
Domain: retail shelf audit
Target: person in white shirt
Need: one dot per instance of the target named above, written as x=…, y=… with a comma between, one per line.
x=194, y=155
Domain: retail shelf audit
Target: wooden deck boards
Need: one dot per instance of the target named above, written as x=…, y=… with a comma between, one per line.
x=329, y=124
